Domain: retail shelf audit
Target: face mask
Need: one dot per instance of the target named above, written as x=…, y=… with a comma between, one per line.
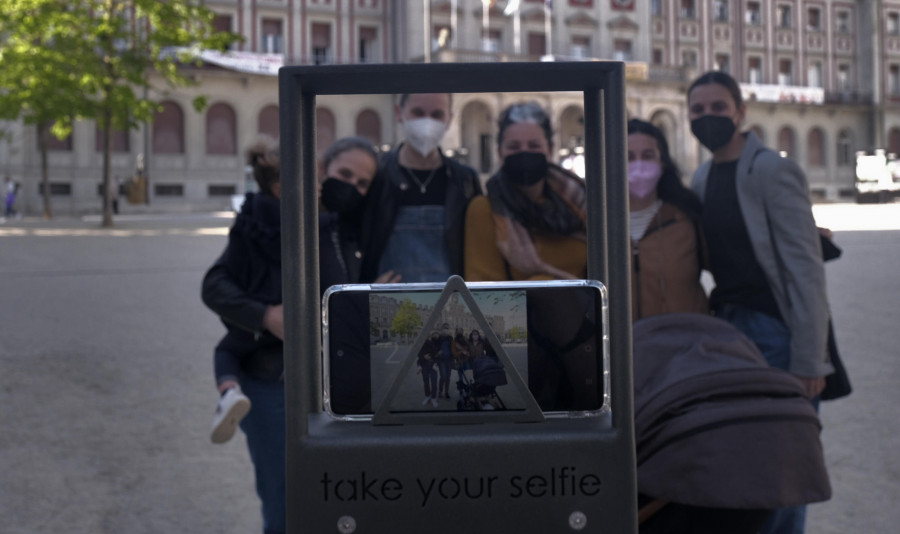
x=424, y=135
x=525, y=168
x=713, y=131
x=643, y=177
x=339, y=196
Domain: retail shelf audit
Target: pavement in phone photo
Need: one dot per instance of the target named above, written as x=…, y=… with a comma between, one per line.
x=107, y=392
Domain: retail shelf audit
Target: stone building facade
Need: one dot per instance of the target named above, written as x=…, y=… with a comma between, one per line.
x=822, y=78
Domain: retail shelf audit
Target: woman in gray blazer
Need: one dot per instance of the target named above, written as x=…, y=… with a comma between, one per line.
x=764, y=249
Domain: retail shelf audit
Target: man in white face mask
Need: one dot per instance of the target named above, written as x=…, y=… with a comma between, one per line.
x=414, y=221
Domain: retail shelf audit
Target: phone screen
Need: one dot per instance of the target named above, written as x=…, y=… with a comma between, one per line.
x=553, y=333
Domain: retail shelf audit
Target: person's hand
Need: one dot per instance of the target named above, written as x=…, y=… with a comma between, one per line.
x=518, y=249
x=273, y=321
x=825, y=232
x=813, y=385
x=388, y=277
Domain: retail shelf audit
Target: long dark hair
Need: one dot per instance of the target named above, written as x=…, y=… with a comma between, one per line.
x=722, y=78
x=670, y=187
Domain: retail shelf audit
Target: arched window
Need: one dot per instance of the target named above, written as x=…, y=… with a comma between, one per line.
x=120, y=141
x=325, y=130
x=757, y=129
x=786, y=141
x=815, y=148
x=53, y=142
x=221, y=130
x=267, y=121
x=845, y=152
x=368, y=126
x=894, y=141
x=168, y=129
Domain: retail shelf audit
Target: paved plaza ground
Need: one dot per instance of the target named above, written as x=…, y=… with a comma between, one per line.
x=107, y=394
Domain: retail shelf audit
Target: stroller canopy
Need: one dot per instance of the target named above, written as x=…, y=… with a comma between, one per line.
x=715, y=425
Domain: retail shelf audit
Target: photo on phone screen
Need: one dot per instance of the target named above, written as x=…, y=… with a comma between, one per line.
x=554, y=334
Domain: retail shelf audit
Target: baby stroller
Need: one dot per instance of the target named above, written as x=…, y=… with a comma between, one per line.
x=722, y=438
x=480, y=393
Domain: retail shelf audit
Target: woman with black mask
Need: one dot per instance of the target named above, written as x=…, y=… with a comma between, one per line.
x=349, y=167
x=532, y=224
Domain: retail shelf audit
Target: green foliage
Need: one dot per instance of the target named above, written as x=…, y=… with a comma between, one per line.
x=86, y=59
x=407, y=321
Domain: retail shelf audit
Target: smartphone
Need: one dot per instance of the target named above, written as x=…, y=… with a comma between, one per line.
x=554, y=334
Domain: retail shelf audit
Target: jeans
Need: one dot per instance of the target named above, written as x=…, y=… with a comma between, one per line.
x=429, y=381
x=264, y=428
x=417, y=250
x=773, y=339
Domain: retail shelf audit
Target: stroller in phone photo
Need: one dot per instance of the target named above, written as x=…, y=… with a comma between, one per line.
x=480, y=393
x=722, y=439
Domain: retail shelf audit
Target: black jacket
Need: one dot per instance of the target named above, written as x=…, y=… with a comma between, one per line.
x=382, y=204
x=244, y=281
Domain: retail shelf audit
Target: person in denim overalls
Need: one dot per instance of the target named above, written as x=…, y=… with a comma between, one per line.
x=415, y=213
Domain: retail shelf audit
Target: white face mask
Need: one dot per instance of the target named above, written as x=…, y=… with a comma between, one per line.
x=425, y=134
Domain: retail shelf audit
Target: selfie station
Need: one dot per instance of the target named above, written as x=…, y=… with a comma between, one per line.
x=509, y=459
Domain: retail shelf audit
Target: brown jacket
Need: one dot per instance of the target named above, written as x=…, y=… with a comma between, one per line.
x=665, y=266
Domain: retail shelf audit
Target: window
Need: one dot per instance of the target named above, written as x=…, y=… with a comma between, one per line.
x=723, y=63
x=622, y=50
x=720, y=10
x=122, y=188
x=537, y=44
x=754, y=70
x=168, y=129
x=222, y=23
x=368, y=45
x=786, y=141
x=272, y=40
x=57, y=189
x=657, y=56
x=689, y=58
x=490, y=41
x=54, y=143
x=581, y=46
x=688, y=9
x=368, y=126
x=785, y=72
x=753, y=15
x=813, y=19
x=815, y=144
x=843, y=77
x=119, y=140
x=814, y=74
x=221, y=130
x=785, y=16
x=581, y=3
x=267, y=121
x=221, y=190
x=893, y=23
x=845, y=154
x=894, y=80
x=842, y=22
x=656, y=8
x=321, y=43
x=168, y=190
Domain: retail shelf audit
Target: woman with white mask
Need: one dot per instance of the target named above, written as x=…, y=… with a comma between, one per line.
x=667, y=249
x=415, y=212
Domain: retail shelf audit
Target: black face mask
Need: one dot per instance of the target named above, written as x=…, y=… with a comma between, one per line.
x=339, y=196
x=525, y=168
x=713, y=131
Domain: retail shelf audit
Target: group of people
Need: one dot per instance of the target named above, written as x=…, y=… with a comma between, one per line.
x=415, y=215
x=441, y=354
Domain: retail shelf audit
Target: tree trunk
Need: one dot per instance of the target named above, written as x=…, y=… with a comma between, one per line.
x=107, y=148
x=43, y=140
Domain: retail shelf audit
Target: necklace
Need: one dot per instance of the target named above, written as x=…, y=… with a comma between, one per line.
x=423, y=186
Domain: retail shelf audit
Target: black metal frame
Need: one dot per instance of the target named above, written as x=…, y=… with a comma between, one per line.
x=326, y=456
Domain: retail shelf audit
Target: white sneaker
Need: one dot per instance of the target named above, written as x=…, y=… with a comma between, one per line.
x=233, y=406
x=434, y=402
x=426, y=400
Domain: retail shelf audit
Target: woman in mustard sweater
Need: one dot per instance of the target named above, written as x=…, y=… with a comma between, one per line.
x=532, y=224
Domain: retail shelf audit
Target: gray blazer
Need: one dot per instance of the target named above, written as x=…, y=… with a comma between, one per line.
x=774, y=199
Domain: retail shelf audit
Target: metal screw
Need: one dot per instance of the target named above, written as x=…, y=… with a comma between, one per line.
x=577, y=520
x=347, y=525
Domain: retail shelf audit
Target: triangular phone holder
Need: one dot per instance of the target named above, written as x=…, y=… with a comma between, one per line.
x=531, y=412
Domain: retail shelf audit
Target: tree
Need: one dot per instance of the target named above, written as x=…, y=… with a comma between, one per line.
x=65, y=60
x=406, y=321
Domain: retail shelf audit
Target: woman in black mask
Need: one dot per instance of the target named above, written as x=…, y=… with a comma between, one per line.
x=764, y=249
x=349, y=168
x=532, y=224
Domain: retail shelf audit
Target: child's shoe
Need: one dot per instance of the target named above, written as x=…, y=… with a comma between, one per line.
x=233, y=406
